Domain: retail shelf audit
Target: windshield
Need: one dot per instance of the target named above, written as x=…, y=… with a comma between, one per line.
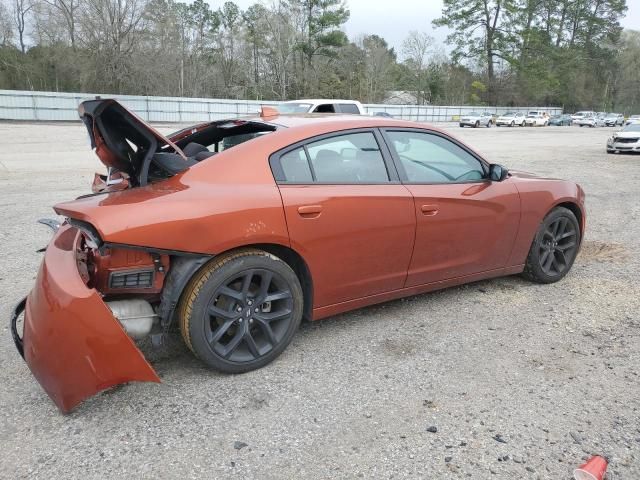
x=509, y=114
x=533, y=114
x=294, y=107
x=632, y=127
x=473, y=114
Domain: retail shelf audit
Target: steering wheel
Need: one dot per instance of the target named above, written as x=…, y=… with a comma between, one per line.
x=430, y=167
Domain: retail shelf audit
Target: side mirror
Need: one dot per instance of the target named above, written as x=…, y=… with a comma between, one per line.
x=497, y=173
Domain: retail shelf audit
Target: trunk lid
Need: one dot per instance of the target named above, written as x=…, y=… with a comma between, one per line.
x=124, y=143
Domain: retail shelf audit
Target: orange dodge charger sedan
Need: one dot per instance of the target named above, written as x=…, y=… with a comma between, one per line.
x=236, y=230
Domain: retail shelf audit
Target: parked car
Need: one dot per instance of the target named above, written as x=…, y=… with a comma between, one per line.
x=560, y=120
x=591, y=121
x=236, y=248
x=537, y=119
x=614, y=120
x=476, y=119
x=511, y=119
x=322, y=106
x=626, y=140
x=633, y=119
x=580, y=115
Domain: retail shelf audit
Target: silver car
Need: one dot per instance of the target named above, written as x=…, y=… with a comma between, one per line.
x=626, y=140
x=476, y=119
x=613, y=120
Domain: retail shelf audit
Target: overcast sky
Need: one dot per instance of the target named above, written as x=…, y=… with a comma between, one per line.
x=394, y=19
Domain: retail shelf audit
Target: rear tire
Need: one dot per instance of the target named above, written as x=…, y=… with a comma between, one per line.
x=241, y=310
x=554, y=248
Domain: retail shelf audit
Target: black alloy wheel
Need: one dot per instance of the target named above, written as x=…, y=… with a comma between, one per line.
x=248, y=315
x=240, y=312
x=558, y=246
x=554, y=248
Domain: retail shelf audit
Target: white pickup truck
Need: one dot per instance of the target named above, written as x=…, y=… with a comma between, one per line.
x=322, y=106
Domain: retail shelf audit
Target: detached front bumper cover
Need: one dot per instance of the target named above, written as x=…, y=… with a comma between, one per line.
x=72, y=343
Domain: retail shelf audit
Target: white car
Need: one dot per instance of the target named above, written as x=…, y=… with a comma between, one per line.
x=633, y=119
x=476, y=119
x=590, y=121
x=322, y=106
x=580, y=115
x=511, y=119
x=626, y=140
x=537, y=119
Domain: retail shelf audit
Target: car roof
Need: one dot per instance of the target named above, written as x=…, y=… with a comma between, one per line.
x=333, y=121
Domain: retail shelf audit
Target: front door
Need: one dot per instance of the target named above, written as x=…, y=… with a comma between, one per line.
x=348, y=215
x=466, y=223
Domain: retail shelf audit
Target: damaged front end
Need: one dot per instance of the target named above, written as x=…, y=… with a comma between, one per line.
x=89, y=303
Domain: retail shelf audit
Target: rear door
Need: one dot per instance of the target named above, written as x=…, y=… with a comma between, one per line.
x=466, y=223
x=347, y=213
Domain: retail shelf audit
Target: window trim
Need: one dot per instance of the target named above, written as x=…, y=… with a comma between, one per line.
x=280, y=178
x=400, y=167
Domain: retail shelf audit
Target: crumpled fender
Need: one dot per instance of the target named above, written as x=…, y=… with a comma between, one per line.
x=72, y=343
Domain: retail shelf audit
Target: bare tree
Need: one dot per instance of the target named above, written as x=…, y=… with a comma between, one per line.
x=6, y=28
x=417, y=49
x=68, y=9
x=110, y=33
x=21, y=10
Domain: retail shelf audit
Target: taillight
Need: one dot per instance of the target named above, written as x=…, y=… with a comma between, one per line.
x=125, y=270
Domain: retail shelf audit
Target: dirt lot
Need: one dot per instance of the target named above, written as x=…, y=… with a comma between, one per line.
x=520, y=380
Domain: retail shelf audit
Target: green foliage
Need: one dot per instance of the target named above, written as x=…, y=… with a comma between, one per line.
x=563, y=52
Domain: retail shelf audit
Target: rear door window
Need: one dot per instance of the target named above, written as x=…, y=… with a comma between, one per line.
x=350, y=158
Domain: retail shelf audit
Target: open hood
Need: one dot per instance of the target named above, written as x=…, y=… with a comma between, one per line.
x=125, y=143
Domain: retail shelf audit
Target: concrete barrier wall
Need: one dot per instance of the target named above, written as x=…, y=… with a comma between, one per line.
x=54, y=106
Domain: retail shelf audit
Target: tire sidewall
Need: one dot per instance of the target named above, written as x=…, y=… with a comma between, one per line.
x=231, y=268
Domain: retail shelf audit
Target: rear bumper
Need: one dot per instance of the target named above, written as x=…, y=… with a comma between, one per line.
x=71, y=342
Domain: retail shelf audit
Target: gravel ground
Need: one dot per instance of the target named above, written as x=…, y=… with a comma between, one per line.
x=498, y=379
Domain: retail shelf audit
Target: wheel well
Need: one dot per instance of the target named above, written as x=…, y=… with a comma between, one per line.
x=575, y=209
x=299, y=266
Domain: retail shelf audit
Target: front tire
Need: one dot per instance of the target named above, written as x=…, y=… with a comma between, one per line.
x=241, y=310
x=477, y=124
x=554, y=248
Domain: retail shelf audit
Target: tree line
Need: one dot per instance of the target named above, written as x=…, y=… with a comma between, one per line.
x=571, y=53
